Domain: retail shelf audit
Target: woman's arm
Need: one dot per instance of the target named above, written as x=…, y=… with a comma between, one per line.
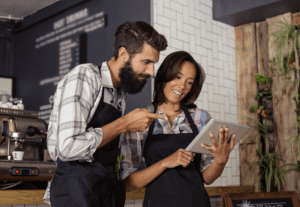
x=220, y=151
x=143, y=177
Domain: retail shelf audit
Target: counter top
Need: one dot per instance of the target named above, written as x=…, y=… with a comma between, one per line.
x=11, y=197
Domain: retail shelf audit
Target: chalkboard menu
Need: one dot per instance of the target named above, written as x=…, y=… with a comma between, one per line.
x=271, y=199
x=45, y=52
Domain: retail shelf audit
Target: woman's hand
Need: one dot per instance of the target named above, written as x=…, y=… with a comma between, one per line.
x=221, y=149
x=180, y=157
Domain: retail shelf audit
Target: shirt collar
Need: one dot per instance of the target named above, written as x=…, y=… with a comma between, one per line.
x=106, y=78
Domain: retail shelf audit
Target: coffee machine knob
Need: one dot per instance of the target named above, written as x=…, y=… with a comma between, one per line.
x=31, y=131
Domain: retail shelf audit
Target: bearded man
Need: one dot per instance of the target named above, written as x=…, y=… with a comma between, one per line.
x=88, y=118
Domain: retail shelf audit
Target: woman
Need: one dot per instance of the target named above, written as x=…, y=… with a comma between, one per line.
x=156, y=157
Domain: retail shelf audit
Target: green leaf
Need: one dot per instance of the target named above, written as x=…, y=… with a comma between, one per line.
x=261, y=78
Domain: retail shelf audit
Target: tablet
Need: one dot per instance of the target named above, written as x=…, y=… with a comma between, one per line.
x=213, y=127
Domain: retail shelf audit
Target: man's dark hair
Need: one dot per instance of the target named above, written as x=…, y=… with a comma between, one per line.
x=168, y=70
x=132, y=36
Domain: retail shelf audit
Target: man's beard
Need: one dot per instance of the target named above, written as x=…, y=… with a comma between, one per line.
x=130, y=81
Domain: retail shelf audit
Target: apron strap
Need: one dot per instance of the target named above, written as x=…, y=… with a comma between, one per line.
x=191, y=121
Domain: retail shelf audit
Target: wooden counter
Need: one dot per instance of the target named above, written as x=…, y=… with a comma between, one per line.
x=11, y=197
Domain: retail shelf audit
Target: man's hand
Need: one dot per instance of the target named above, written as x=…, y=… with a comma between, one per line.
x=180, y=157
x=140, y=119
x=221, y=149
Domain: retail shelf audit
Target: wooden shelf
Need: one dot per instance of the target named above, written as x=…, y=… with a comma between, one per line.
x=11, y=197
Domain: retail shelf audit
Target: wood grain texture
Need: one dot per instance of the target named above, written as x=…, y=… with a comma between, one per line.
x=262, y=51
x=273, y=27
x=246, y=67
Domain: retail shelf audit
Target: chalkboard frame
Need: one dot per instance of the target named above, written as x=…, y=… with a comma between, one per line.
x=226, y=200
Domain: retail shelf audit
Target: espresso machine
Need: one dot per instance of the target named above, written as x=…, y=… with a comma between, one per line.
x=23, y=131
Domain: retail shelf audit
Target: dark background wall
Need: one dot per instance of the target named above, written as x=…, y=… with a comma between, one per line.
x=34, y=63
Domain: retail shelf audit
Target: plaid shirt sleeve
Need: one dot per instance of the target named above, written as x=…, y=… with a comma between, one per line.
x=74, y=99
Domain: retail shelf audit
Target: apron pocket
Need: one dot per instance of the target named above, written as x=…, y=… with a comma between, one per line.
x=89, y=189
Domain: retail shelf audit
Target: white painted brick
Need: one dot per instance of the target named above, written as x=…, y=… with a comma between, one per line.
x=228, y=84
x=170, y=49
x=218, y=182
x=182, y=36
x=197, y=4
x=183, y=2
x=231, y=96
x=160, y=7
x=230, y=34
x=167, y=3
x=216, y=85
x=130, y=205
x=223, y=57
x=139, y=203
x=209, y=57
x=224, y=36
x=217, y=115
x=159, y=28
x=212, y=71
x=196, y=57
x=205, y=101
x=186, y=46
x=176, y=43
x=206, y=43
x=227, y=106
x=173, y=29
x=231, y=118
x=191, y=8
x=236, y=181
x=226, y=49
x=209, y=79
x=220, y=44
x=163, y=21
x=154, y=1
x=199, y=104
x=129, y=201
x=175, y=6
x=200, y=97
x=229, y=171
x=200, y=50
x=213, y=107
x=189, y=29
x=154, y=16
x=223, y=90
x=231, y=65
x=222, y=112
x=212, y=114
x=210, y=93
x=179, y=21
x=211, y=36
x=234, y=166
x=226, y=70
x=221, y=24
x=200, y=15
x=217, y=64
x=195, y=22
x=215, y=50
x=169, y=13
x=221, y=80
x=224, y=173
x=185, y=14
x=228, y=164
x=203, y=29
x=209, y=3
x=207, y=10
x=217, y=30
x=192, y=43
x=232, y=76
x=167, y=33
x=232, y=154
x=198, y=36
x=204, y=63
x=204, y=87
x=218, y=99
x=224, y=181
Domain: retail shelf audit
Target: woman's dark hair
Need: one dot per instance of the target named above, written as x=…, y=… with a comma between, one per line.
x=168, y=70
x=132, y=36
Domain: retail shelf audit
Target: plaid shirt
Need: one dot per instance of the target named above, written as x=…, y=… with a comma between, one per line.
x=75, y=101
x=132, y=144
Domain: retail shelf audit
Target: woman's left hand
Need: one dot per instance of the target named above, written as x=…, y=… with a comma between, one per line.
x=221, y=149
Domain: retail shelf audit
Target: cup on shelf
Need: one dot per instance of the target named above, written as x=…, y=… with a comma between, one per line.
x=20, y=106
x=18, y=155
x=14, y=107
x=4, y=105
x=9, y=104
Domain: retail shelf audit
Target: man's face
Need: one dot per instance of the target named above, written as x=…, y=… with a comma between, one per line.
x=133, y=75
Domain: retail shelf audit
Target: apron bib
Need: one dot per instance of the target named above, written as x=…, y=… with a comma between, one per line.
x=175, y=187
x=91, y=184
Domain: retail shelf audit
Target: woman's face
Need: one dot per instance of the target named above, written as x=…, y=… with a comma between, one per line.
x=176, y=89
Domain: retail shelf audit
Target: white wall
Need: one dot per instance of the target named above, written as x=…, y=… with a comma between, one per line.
x=188, y=25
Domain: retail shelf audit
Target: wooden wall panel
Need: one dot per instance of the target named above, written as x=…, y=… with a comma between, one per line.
x=284, y=113
x=246, y=67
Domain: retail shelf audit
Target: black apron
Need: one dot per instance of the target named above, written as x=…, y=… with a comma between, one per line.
x=91, y=184
x=175, y=187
